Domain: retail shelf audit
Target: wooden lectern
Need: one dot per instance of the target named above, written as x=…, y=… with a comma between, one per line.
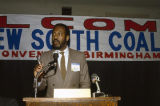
x=98, y=101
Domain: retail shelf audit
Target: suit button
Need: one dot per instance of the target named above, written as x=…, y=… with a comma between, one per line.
x=53, y=84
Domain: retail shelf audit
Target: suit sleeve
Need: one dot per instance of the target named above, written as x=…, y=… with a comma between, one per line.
x=84, y=74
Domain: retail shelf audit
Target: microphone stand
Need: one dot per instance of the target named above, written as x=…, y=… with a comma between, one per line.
x=98, y=93
x=98, y=88
x=35, y=88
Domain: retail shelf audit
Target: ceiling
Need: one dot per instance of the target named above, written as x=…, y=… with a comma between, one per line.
x=138, y=3
x=132, y=3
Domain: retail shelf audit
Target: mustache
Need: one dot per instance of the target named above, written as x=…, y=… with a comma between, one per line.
x=55, y=41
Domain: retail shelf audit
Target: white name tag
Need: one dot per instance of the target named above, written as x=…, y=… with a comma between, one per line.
x=75, y=67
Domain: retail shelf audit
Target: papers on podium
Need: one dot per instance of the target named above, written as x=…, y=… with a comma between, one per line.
x=72, y=93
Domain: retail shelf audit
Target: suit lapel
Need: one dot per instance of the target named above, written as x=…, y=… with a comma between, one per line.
x=49, y=59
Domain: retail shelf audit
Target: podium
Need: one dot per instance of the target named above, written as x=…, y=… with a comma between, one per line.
x=98, y=101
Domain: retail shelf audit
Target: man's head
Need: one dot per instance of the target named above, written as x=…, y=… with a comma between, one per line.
x=60, y=37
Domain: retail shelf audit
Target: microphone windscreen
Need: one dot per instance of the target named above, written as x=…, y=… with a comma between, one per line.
x=94, y=77
x=55, y=56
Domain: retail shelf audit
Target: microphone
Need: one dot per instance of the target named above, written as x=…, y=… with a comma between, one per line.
x=95, y=79
x=55, y=57
x=54, y=62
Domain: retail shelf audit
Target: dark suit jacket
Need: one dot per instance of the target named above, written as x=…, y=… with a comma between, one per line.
x=53, y=79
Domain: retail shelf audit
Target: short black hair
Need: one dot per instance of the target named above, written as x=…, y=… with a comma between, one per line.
x=67, y=31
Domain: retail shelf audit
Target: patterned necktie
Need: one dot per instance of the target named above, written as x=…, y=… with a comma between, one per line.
x=63, y=68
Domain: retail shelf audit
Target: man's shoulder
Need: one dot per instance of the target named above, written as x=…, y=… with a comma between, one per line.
x=75, y=54
x=73, y=51
x=47, y=52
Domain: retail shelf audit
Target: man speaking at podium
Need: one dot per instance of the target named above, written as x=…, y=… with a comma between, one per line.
x=71, y=67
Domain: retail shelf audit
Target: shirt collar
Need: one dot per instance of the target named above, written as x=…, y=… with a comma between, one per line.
x=66, y=50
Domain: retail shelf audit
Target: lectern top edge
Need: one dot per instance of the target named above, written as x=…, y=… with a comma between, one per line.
x=31, y=99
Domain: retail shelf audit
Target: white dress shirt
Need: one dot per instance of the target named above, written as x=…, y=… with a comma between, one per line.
x=66, y=55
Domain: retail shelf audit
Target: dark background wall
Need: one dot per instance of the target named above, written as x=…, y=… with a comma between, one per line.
x=103, y=8
x=137, y=83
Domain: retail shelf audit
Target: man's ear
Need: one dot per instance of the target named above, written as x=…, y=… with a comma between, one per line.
x=67, y=38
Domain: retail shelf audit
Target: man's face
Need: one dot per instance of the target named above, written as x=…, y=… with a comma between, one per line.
x=59, y=39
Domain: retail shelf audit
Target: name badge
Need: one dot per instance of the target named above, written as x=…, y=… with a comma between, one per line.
x=75, y=67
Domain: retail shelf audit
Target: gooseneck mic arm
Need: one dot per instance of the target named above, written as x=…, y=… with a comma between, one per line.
x=98, y=88
x=95, y=79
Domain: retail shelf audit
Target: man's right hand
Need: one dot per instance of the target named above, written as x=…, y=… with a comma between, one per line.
x=37, y=69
